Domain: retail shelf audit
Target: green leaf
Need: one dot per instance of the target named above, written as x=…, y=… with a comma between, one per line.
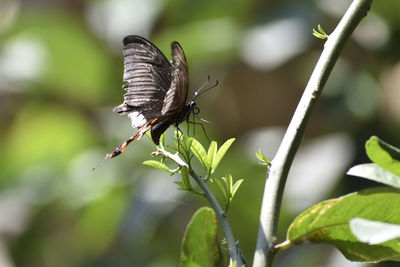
x=375, y=173
x=182, y=185
x=236, y=187
x=185, y=147
x=227, y=188
x=321, y=30
x=328, y=222
x=263, y=159
x=212, y=151
x=374, y=232
x=185, y=177
x=229, y=182
x=158, y=165
x=178, y=134
x=383, y=154
x=222, y=187
x=220, y=154
x=199, y=151
x=200, y=243
x=321, y=34
x=162, y=140
x=175, y=148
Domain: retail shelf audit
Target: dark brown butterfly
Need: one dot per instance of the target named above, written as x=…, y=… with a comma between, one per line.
x=156, y=90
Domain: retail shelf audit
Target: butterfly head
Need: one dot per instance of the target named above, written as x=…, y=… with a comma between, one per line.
x=192, y=106
x=191, y=109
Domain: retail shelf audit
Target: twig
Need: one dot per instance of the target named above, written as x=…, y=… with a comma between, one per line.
x=234, y=251
x=282, y=161
x=175, y=157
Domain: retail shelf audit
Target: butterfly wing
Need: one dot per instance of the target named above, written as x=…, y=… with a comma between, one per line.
x=175, y=99
x=148, y=77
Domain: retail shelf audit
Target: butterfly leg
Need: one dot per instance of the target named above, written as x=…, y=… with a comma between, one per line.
x=178, y=137
x=202, y=127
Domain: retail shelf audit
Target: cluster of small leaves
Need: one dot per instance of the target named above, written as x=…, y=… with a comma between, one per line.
x=210, y=159
x=184, y=150
x=263, y=160
x=364, y=225
x=227, y=187
x=321, y=34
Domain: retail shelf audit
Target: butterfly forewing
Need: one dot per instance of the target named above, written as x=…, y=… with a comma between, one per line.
x=148, y=75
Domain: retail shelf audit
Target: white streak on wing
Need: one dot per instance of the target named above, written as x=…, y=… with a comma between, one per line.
x=138, y=120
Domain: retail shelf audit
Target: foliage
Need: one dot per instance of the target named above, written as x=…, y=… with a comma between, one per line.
x=263, y=160
x=187, y=147
x=328, y=222
x=227, y=187
x=364, y=225
x=321, y=34
x=61, y=75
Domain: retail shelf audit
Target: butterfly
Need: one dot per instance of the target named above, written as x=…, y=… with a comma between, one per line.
x=156, y=90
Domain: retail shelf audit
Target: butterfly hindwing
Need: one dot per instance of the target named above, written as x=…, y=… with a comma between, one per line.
x=174, y=106
x=175, y=99
x=158, y=129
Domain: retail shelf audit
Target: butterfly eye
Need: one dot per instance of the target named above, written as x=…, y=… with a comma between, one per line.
x=196, y=110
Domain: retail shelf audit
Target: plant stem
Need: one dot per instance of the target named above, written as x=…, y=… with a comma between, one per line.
x=282, y=161
x=234, y=251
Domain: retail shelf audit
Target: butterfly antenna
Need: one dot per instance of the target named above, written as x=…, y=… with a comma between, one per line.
x=202, y=88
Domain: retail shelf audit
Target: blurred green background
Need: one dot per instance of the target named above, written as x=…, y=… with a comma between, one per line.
x=61, y=75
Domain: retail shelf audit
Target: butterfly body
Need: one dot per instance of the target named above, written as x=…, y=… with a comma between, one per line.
x=156, y=89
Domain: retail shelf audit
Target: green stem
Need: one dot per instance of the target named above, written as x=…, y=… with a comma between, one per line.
x=276, y=180
x=234, y=251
